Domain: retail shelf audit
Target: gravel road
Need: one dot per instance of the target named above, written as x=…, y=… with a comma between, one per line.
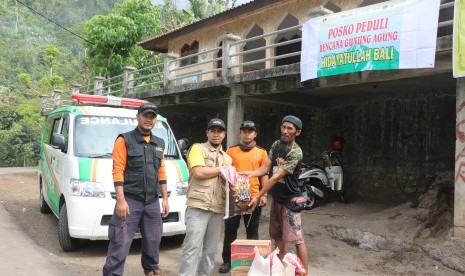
x=328, y=255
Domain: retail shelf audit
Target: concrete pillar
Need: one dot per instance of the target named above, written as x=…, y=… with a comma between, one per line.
x=128, y=83
x=229, y=50
x=56, y=98
x=270, y=52
x=75, y=88
x=98, y=85
x=168, y=66
x=44, y=104
x=235, y=114
x=459, y=198
x=320, y=10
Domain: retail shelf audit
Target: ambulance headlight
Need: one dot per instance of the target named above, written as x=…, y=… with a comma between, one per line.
x=86, y=188
x=181, y=188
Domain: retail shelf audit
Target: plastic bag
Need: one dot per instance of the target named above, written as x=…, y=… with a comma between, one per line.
x=272, y=265
x=260, y=265
x=279, y=268
x=294, y=260
x=237, y=192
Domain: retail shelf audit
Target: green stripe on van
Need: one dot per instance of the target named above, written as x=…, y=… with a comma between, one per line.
x=85, y=168
x=183, y=168
x=79, y=111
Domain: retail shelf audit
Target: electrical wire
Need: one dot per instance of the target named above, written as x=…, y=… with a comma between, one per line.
x=64, y=28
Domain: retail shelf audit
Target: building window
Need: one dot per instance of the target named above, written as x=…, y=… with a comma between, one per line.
x=254, y=44
x=188, y=50
x=288, y=21
x=286, y=49
x=219, y=63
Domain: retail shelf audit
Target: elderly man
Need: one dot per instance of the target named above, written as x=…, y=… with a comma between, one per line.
x=283, y=158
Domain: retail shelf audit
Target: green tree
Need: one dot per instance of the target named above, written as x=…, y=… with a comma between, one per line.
x=142, y=13
x=50, y=56
x=204, y=8
x=8, y=115
x=110, y=39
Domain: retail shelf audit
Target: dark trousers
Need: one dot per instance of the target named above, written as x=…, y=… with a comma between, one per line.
x=121, y=234
x=230, y=230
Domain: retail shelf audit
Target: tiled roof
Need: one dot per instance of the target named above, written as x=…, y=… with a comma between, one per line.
x=150, y=43
x=174, y=30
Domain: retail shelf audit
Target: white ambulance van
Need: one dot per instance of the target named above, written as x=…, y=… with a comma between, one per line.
x=75, y=167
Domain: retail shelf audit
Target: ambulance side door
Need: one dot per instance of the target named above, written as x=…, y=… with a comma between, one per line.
x=56, y=149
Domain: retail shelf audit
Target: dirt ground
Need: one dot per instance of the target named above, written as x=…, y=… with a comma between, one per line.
x=343, y=239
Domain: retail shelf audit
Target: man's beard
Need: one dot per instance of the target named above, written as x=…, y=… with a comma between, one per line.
x=285, y=140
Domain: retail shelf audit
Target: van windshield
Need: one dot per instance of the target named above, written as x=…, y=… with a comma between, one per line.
x=95, y=135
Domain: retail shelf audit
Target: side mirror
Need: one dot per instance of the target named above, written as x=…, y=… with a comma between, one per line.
x=58, y=141
x=183, y=144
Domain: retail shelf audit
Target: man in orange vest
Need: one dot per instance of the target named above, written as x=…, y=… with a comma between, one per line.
x=246, y=156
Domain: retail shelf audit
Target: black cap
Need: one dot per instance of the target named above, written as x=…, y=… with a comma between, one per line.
x=248, y=124
x=294, y=120
x=216, y=122
x=146, y=108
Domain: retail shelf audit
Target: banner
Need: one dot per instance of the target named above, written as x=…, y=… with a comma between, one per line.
x=397, y=34
x=458, y=53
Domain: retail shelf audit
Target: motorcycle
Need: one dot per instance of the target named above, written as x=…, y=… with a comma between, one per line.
x=318, y=182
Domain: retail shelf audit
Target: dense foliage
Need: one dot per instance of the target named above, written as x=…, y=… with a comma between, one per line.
x=49, y=45
x=36, y=57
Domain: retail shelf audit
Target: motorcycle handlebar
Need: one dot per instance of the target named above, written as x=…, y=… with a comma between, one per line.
x=320, y=157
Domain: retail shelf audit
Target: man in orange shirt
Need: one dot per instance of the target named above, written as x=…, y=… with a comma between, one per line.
x=139, y=178
x=246, y=156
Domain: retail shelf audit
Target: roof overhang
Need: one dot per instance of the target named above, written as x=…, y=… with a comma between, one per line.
x=159, y=43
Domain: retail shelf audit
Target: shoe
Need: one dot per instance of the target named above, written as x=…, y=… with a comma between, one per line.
x=224, y=268
x=154, y=273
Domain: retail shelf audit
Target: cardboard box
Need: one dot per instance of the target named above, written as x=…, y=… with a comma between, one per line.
x=238, y=273
x=242, y=253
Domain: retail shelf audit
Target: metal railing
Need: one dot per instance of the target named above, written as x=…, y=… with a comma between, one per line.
x=197, y=64
x=274, y=45
x=146, y=79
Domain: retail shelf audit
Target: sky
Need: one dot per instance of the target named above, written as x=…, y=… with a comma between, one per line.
x=184, y=4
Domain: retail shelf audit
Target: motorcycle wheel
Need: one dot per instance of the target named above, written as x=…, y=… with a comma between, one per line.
x=343, y=197
x=310, y=198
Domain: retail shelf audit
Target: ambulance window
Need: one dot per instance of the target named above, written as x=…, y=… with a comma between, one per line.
x=94, y=136
x=64, y=131
x=48, y=133
x=163, y=131
x=54, y=124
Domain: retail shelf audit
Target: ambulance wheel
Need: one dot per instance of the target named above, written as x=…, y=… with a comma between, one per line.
x=179, y=239
x=67, y=243
x=44, y=208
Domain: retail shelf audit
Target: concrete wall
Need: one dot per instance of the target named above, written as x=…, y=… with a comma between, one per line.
x=395, y=145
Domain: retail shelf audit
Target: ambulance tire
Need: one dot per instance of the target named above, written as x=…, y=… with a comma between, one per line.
x=179, y=239
x=44, y=208
x=67, y=242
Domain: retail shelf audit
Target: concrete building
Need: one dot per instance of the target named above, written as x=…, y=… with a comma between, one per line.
x=399, y=126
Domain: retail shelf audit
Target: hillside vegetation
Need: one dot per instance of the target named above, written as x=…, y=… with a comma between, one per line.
x=49, y=45
x=37, y=56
